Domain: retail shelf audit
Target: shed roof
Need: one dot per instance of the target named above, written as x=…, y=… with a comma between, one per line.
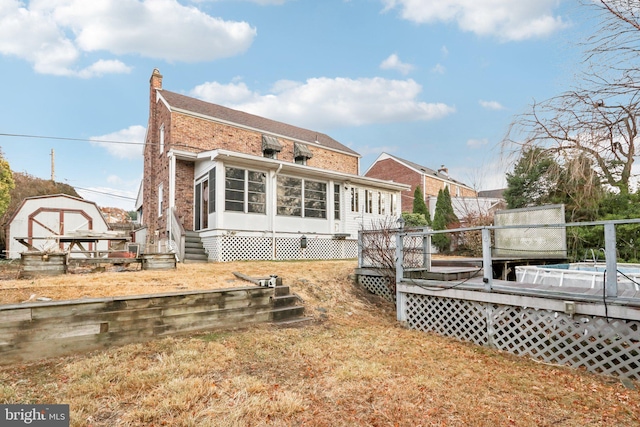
x=229, y=115
x=55, y=196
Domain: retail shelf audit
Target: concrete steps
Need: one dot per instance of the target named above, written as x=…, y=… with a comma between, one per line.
x=193, y=248
x=287, y=310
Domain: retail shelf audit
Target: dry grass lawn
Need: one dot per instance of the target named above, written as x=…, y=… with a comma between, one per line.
x=353, y=366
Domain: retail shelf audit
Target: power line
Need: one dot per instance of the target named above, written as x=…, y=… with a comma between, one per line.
x=105, y=193
x=59, y=138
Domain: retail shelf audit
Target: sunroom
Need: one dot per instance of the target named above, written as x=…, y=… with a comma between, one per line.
x=252, y=207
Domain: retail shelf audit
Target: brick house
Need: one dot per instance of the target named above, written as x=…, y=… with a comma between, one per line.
x=251, y=187
x=389, y=167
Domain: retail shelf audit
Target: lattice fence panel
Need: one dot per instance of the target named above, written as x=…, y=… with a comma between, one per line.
x=606, y=346
x=212, y=247
x=289, y=248
x=461, y=319
x=610, y=347
x=232, y=248
x=245, y=248
x=377, y=285
x=347, y=249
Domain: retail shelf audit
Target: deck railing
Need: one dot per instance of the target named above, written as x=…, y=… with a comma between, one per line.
x=516, y=237
x=598, y=330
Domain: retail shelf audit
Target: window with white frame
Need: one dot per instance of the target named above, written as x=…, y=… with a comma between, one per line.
x=336, y=201
x=315, y=199
x=301, y=197
x=355, y=200
x=368, y=201
x=289, y=196
x=245, y=190
x=394, y=204
x=382, y=201
x=162, y=138
x=212, y=190
x=256, y=192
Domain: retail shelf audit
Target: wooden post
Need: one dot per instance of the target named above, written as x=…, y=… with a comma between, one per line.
x=360, y=243
x=611, y=283
x=486, y=259
x=426, y=251
x=401, y=298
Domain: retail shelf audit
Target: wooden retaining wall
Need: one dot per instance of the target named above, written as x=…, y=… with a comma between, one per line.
x=42, y=264
x=47, y=329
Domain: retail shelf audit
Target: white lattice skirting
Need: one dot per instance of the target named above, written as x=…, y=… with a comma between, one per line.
x=239, y=248
x=377, y=285
x=608, y=347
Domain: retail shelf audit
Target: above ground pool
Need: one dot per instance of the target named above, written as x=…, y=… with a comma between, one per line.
x=578, y=275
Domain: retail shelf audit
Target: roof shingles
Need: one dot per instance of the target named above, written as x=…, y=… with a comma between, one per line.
x=197, y=106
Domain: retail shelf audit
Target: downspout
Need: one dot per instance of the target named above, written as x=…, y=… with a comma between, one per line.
x=172, y=179
x=172, y=185
x=273, y=216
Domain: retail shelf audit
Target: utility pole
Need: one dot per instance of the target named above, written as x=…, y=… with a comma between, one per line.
x=53, y=165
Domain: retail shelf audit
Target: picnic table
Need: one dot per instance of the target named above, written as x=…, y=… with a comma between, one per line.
x=77, y=243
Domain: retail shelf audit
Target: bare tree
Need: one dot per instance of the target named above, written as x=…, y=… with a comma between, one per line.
x=379, y=250
x=577, y=124
x=598, y=119
x=612, y=52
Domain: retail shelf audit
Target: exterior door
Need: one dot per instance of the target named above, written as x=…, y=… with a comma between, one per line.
x=201, y=205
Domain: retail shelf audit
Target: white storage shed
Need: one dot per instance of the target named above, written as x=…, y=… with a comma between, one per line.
x=39, y=220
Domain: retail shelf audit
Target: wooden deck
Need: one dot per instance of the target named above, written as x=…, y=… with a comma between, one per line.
x=585, y=294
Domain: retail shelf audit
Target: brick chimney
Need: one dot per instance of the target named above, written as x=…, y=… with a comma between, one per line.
x=156, y=79
x=155, y=84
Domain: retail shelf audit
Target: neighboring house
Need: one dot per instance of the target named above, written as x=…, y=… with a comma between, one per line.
x=394, y=168
x=40, y=219
x=250, y=187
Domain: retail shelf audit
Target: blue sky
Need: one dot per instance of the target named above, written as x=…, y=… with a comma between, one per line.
x=436, y=82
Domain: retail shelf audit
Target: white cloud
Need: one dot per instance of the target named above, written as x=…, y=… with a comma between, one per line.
x=491, y=175
x=329, y=103
x=54, y=35
x=445, y=51
x=394, y=63
x=102, y=67
x=268, y=2
x=123, y=144
x=439, y=69
x=504, y=19
x=491, y=105
x=477, y=143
